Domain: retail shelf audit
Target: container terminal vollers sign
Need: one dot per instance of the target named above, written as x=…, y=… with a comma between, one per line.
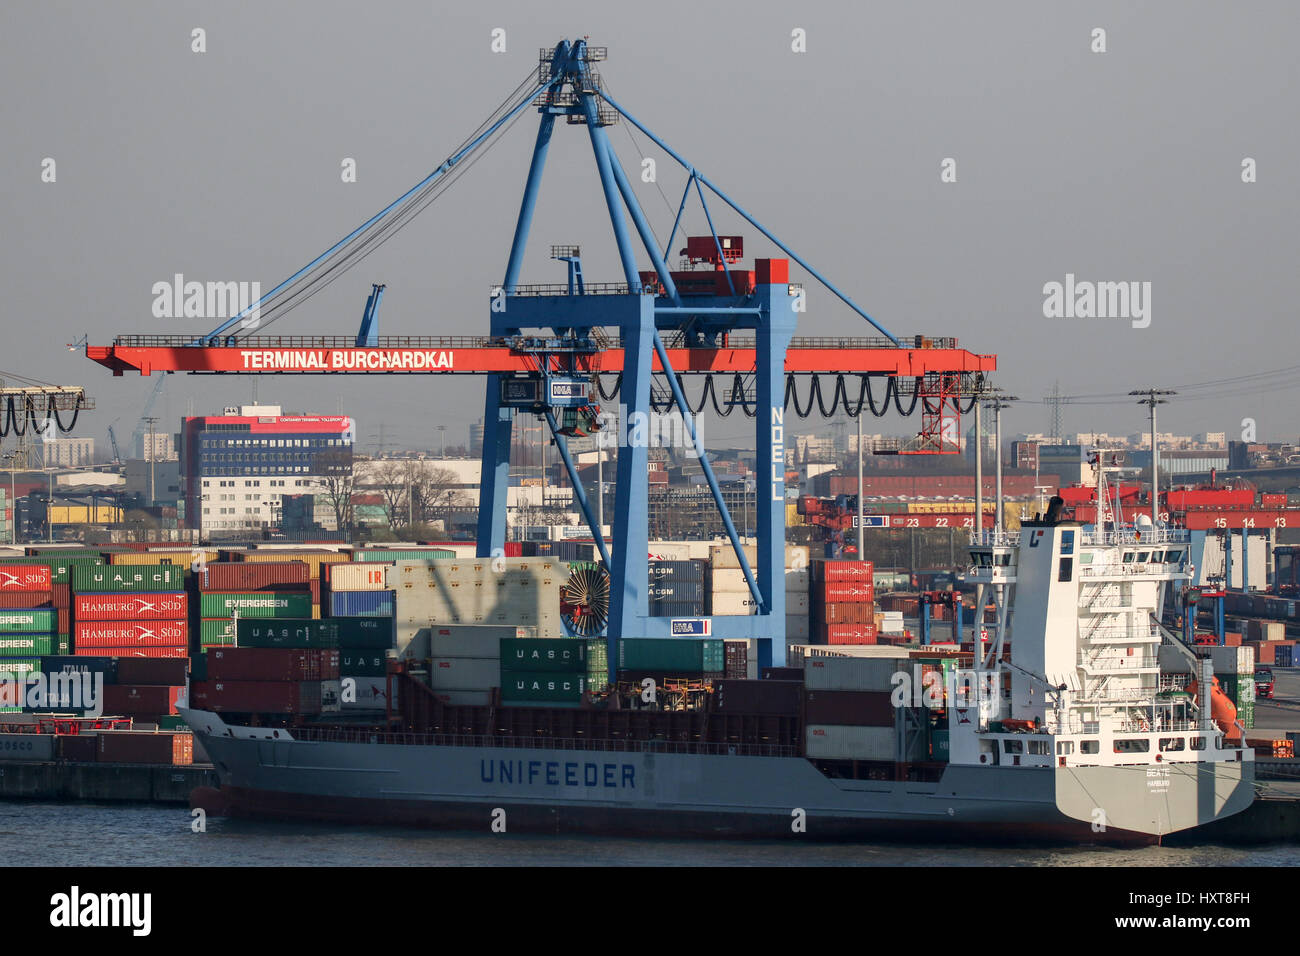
x=344, y=360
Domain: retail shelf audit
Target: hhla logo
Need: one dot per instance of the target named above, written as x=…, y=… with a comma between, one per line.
x=62, y=690
x=1098, y=300
x=76, y=909
x=208, y=300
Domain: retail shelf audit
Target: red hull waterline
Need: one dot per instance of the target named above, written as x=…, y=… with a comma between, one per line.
x=606, y=821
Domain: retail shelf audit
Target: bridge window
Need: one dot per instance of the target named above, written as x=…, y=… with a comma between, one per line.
x=1198, y=743
x=1064, y=747
x=1128, y=557
x=1173, y=744
x=1089, y=746
x=1067, y=570
x=1157, y=557
x=1132, y=745
x=1143, y=556
x=1013, y=746
x=1173, y=556
x=1040, y=747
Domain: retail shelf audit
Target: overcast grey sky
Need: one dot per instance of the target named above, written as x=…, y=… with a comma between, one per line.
x=1115, y=166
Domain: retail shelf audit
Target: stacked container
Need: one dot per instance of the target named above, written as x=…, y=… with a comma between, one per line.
x=145, y=689
x=60, y=577
x=278, y=668
x=543, y=671
x=359, y=590
x=659, y=657
x=28, y=621
x=465, y=660
x=848, y=710
x=1235, y=669
x=129, y=610
x=843, y=602
x=677, y=588
x=364, y=645
x=241, y=578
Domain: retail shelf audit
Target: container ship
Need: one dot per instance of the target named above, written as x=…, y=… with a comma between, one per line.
x=1078, y=718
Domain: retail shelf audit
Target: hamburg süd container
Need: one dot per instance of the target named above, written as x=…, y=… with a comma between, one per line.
x=114, y=634
x=24, y=577
x=150, y=606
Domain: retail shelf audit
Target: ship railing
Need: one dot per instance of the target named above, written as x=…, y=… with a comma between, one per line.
x=997, y=539
x=1133, y=536
x=619, y=745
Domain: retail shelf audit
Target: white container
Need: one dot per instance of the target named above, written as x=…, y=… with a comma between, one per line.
x=367, y=693
x=854, y=673
x=724, y=555
x=797, y=626
x=464, y=673
x=796, y=604
x=836, y=742
x=363, y=576
x=733, y=604
x=464, y=698
x=472, y=640
x=1233, y=660
x=796, y=581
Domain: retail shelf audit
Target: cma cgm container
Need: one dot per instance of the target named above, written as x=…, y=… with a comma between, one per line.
x=98, y=579
x=28, y=620
x=274, y=604
x=677, y=654
x=147, y=606
x=110, y=634
x=287, y=633
x=361, y=604
x=531, y=687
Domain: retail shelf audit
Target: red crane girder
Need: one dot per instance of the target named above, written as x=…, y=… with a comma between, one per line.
x=469, y=355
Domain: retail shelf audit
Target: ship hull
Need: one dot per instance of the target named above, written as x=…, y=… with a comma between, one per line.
x=640, y=793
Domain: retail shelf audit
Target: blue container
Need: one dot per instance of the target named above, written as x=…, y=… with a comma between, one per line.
x=361, y=604
x=669, y=608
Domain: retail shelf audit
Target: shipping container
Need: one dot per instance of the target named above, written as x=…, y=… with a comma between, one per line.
x=170, y=671
x=843, y=592
x=847, y=633
x=362, y=662
x=843, y=572
x=83, y=664
x=14, y=667
x=289, y=633
x=22, y=600
x=464, y=673
x=28, y=620
x=362, y=604
x=757, y=696
x=523, y=686
x=115, y=634
x=256, y=576
x=33, y=747
x=26, y=645
x=362, y=692
x=481, y=641
x=854, y=673
x=390, y=555
x=853, y=613
x=255, y=604
x=797, y=626
x=100, y=579
x=190, y=558
x=140, y=700
x=133, y=746
x=24, y=577
x=733, y=604
x=356, y=577
x=834, y=742
x=60, y=566
x=148, y=606
x=149, y=652
x=464, y=698
x=313, y=559
x=272, y=664
x=260, y=697
x=1230, y=660
x=854, y=708
x=217, y=631
x=371, y=633
x=78, y=748
x=680, y=654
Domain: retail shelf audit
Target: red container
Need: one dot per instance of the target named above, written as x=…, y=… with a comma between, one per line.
x=82, y=748
x=849, y=613
x=1265, y=651
x=152, y=606
x=140, y=700
x=847, y=634
x=1231, y=639
x=24, y=599
x=844, y=592
x=256, y=697
x=843, y=571
x=24, y=577
x=61, y=595
x=122, y=652
x=757, y=696
x=171, y=671
x=65, y=619
x=272, y=664
x=124, y=634
x=853, y=708
x=136, y=746
x=254, y=576
x=314, y=587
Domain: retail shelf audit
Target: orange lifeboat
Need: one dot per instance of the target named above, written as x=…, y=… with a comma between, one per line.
x=1222, y=710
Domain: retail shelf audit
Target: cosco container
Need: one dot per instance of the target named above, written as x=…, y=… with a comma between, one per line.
x=28, y=620
x=150, y=606
x=112, y=634
x=252, y=576
x=37, y=747
x=99, y=579
x=361, y=604
x=680, y=654
x=274, y=604
x=523, y=686
x=543, y=654
x=287, y=633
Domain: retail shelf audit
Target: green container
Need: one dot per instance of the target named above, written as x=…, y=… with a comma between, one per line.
x=1245, y=689
x=362, y=662
x=172, y=722
x=1246, y=714
x=542, y=686
x=403, y=554
x=543, y=654
x=40, y=550
x=18, y=666
x=117, y=578
x=288, y=633
x=366, y=633
x=597, y=664
x=681, y=655
x=60, y=567
x=290, y=604
x=63, y=644
x=26, y=645
x=31, y=620
x=939, y=749
x=220, y=631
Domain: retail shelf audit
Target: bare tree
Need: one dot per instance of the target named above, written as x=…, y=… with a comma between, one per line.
x=336, y=478
x=390, y=477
